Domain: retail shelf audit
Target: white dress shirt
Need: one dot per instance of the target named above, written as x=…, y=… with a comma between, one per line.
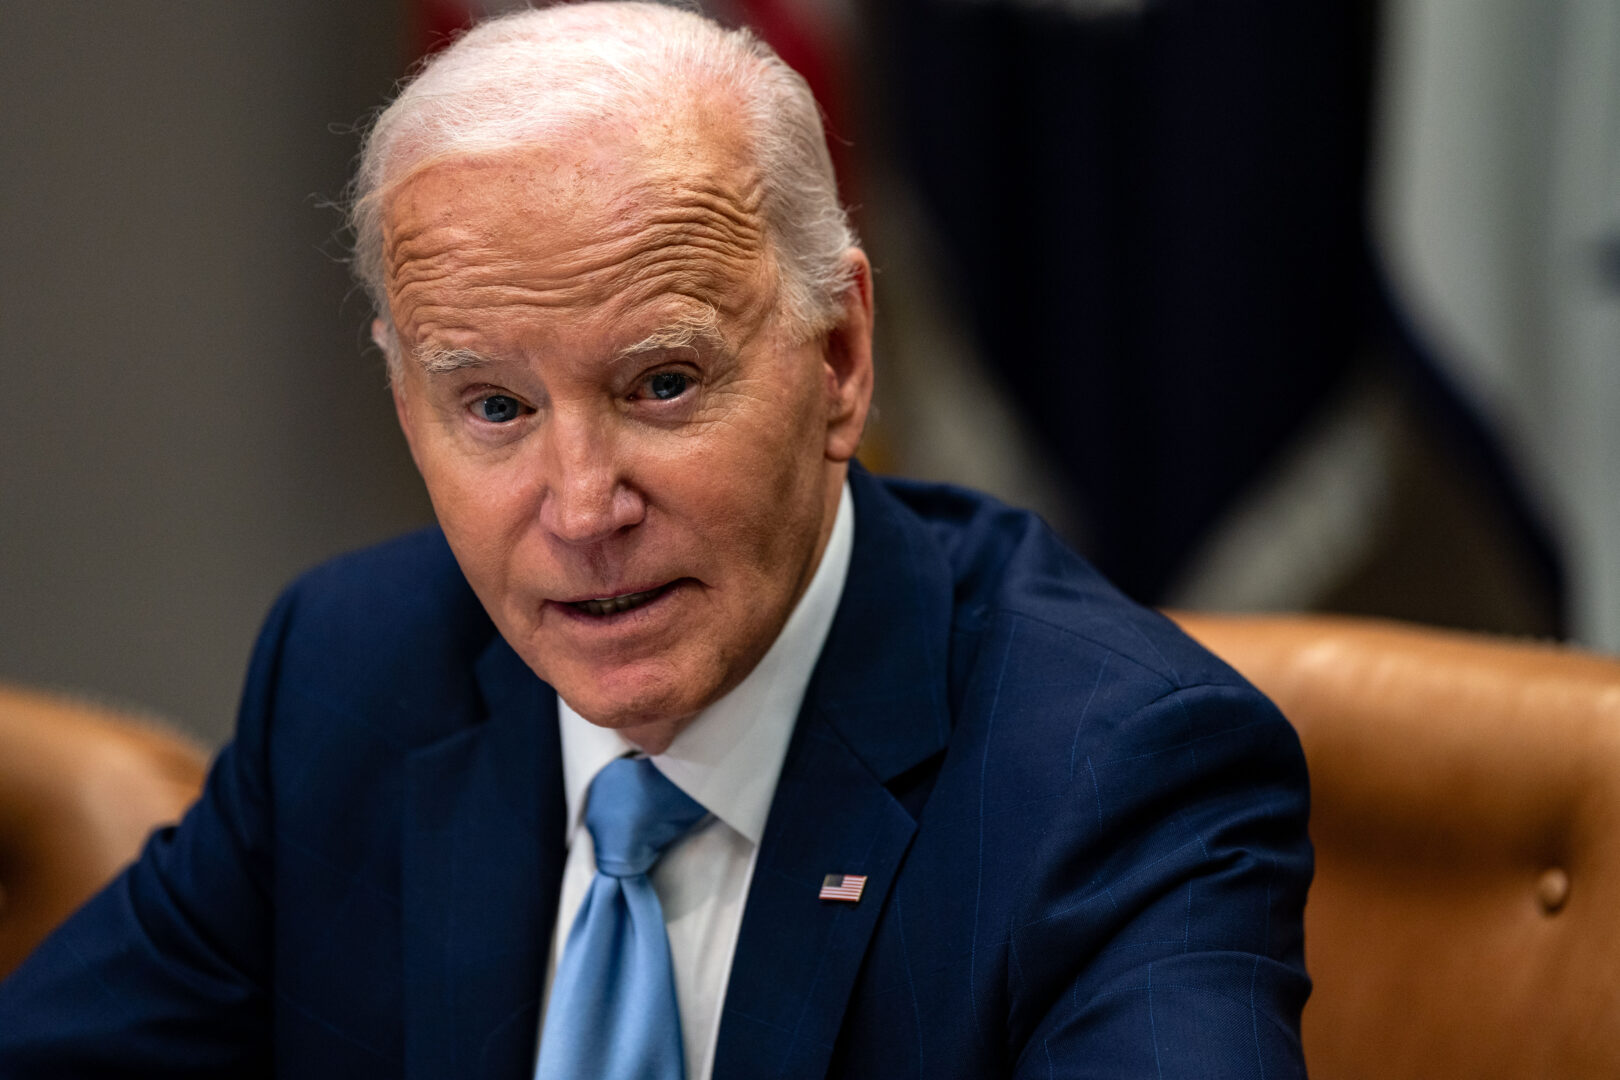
x=728, y=759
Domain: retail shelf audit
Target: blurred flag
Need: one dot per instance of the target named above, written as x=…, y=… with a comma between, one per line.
x=1497, y=220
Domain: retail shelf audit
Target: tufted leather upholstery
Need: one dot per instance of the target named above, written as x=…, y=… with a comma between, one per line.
x=1465, y=919
x=80, y=789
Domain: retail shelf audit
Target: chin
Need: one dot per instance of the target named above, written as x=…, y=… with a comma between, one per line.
x=614, y=701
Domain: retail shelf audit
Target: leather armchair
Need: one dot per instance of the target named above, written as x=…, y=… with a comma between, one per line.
x=1465, y=919
x=81, y=787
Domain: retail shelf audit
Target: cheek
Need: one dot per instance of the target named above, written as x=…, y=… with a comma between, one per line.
x=480, y=510
x=768, y=511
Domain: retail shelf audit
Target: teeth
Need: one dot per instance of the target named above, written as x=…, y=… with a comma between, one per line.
x=612, y=605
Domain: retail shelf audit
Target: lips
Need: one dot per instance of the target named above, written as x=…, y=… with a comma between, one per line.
x=613, y=605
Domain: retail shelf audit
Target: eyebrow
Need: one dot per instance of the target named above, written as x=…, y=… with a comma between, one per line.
x=438, y=360
x=698, y=331
x=692, y=332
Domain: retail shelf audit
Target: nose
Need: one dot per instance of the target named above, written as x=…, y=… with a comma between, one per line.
x=587, y=498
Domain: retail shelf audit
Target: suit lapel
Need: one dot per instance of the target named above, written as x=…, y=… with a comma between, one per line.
x=482, y=863
x=875, y=710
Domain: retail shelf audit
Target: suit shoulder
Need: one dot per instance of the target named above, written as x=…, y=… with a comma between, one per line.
x=394, y=626
x=1010, y=569
x=407, y=580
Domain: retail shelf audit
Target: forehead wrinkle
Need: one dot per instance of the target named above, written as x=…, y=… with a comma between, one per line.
x=695, y=237
x=414, y=274
x=666, y=276
x=697, y=268
x=707, y=213
x=730, y=218
x=712, y=229
x=417, y=243
x=680, y=235
x=665, y=241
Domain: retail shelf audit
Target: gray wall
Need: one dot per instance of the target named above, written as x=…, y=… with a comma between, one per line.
x=188, y=412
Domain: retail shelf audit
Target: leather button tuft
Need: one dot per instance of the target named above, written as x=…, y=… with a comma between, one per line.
x=1552, y=890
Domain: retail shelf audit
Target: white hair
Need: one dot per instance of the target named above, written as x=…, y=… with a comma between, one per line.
x=541, y=76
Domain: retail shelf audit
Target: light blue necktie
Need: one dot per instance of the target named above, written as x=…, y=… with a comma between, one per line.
x=612, y=1014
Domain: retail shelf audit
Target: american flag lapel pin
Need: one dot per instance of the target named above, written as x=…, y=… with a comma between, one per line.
x=842, y=887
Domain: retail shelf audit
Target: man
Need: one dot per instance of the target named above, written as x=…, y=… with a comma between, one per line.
x=948, y=805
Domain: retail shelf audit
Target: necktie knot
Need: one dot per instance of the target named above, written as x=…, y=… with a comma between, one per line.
x=634, y=812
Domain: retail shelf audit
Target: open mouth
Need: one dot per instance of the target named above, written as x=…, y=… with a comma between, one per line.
x=613, y=605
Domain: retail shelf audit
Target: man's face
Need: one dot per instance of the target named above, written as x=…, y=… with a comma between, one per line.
x=635, y=465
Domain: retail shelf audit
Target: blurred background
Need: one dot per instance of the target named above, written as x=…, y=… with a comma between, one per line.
x=1264, y=305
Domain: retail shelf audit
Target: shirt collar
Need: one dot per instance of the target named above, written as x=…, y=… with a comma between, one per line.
x=729, y=757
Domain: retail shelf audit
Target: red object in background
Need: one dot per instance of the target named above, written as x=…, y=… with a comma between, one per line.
x=810, y=46
x=436, y=23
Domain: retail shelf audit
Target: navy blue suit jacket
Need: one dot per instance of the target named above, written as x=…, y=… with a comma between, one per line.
x=1084, y=839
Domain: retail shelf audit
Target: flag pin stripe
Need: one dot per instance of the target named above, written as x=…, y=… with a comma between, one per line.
x=842, y=887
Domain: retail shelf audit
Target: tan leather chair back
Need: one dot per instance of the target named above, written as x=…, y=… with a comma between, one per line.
x=80, y=789
x=1465, y=918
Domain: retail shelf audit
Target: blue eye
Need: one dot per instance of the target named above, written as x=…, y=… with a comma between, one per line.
x=498, y=408
x=668, y=384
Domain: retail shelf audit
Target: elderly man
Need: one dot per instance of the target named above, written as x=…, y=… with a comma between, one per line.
x=684, y=747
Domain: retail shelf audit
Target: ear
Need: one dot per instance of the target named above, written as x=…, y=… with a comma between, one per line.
x=847, y=360
x=389, y=344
